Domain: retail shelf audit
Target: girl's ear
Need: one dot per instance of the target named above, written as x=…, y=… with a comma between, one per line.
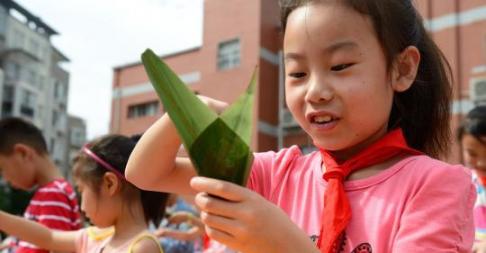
x=111, y=184
x=405, y=69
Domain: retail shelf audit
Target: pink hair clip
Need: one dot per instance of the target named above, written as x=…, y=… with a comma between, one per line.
x=106, y=165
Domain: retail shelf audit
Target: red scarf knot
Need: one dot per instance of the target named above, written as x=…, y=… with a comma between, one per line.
x=336, y=213
x=334, y=174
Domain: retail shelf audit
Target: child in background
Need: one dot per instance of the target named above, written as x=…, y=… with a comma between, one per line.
x=120, y=210
x=181, y=231
x=472, y=136
x=370, y=87
x=24, y=164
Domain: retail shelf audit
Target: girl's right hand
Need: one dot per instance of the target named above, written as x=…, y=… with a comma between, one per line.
x=244, y=221
x=216, y=105
x=154, y=159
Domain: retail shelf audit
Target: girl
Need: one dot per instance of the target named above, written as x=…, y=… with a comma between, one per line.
x=472, y=136
x=107, y=200
x=367, y=83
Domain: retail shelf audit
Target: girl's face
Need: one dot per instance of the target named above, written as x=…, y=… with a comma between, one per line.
x=337, y=85
x=96, y=206
x=474, y=153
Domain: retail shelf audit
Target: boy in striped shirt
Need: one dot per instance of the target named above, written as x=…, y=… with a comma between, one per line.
x=24, y=164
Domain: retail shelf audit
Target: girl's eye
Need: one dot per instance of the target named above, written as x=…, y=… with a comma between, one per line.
x=341, y=67
x=297, y=75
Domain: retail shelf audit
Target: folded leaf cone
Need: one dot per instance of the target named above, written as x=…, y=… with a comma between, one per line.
x=218, y=145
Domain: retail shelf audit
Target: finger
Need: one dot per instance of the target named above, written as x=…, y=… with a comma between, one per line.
x=222, y=189
x=218, y=235
x=221, y=223
x=215, y=205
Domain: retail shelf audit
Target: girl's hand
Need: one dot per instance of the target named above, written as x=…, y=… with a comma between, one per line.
x=180, y=217
x=479, y=247
x=216, y=105
x=160, y=232
x=245, y=221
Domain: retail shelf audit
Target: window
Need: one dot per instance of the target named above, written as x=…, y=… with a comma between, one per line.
x=7, y=109
x=8, y=93
x=478, y=90
x=34, y=46
x=77, y=137
x=229, y=54
x=58, y=90
x=28, y=98
x=143, y=110
x=31, y=77
x=18, y=40
x=13, y=70
x=41, y=82
x=55, y=118
x=28, y=102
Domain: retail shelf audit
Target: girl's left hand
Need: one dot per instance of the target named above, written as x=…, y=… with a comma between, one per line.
x=244, y=221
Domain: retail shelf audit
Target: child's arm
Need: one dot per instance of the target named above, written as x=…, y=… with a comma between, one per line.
x=243, y=220
x=188, y=235
x=37, y=234
x=153, y=164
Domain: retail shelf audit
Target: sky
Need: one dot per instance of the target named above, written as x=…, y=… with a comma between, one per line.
x=98, y=35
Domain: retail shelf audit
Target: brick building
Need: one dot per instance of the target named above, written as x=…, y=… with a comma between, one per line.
x=240, y=34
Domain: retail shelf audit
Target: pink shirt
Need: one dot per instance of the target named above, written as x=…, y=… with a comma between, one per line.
x=417, y=205
x=94, y=240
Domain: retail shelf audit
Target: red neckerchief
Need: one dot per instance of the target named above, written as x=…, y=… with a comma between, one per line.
x=337, y=212
x=482, y=180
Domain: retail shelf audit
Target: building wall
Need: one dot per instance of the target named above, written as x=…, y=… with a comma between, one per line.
x=197, y=66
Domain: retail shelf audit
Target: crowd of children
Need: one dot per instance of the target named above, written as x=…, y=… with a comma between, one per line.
x=367, y=84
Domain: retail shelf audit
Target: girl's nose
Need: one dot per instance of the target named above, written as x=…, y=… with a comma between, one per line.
x=318, y=90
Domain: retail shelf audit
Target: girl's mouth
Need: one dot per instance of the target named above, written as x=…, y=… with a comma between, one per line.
x=323, y=122
x=322, y=119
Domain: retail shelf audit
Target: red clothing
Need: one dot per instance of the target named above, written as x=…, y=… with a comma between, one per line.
x=55, y=206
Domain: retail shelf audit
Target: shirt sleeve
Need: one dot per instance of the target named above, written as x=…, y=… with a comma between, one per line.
x=438, y=217
x=81, y=240
x=269, y=168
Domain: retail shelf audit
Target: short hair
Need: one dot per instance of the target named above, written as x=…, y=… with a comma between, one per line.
x=474, y=124
x=15, y=130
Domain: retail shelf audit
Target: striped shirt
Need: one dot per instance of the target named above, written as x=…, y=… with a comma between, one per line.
x=54, y=205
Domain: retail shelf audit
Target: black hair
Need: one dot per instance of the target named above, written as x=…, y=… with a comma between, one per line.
x=115, y=150
x=15, y=130
x=422, y=111
x=474, y=124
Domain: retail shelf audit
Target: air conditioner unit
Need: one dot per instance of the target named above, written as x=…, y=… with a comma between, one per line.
x=478, y=90
x=288, y=120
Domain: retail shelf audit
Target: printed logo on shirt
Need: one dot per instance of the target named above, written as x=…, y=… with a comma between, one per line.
x=362, y=248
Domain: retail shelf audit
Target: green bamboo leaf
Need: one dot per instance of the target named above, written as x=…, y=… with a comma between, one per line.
x=219, y=146
x=190, y=116
x=239, y=115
